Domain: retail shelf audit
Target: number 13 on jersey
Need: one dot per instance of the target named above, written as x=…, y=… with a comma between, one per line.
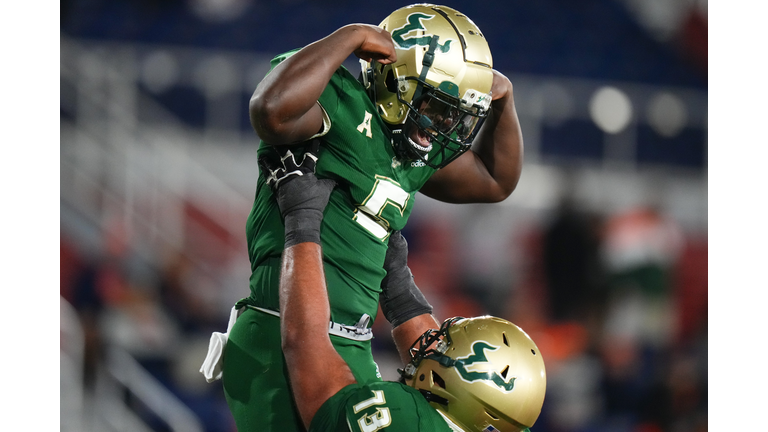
x=369, y=214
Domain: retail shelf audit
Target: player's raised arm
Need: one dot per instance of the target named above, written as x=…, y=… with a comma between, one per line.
x=402, y=303
x=489, y=172
x=316, y=370
x=284, y=109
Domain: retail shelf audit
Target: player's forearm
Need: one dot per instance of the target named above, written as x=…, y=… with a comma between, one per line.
x=280, y=102
x=303, y=297
x=316, y=370
x=406, y=334
x=499, y=147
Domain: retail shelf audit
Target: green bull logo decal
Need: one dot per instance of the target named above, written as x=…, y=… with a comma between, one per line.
x=478, y=356
x=414, y=23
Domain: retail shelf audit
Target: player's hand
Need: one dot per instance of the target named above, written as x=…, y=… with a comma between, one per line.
x=293, y=180
x=301, y=196
x=376, y=44
x=288, y=167
x=501, y=88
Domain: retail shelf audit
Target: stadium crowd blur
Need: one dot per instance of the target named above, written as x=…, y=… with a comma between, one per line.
x=616, y=301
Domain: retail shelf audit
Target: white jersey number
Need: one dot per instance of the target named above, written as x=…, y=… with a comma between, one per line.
x=385, y=192
x=378, y=420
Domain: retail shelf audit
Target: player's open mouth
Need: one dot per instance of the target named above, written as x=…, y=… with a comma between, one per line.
x=421, y=140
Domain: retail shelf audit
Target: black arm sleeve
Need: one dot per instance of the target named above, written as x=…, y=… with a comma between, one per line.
x=400, y=298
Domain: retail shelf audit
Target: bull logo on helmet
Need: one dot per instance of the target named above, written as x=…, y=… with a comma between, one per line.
x=477, y=357
x=415, y=23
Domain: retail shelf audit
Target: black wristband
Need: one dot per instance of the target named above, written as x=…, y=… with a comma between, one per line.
x=301, y=200
x=303, y=226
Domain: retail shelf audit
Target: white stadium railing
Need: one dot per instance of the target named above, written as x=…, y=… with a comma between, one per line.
x=106, y=406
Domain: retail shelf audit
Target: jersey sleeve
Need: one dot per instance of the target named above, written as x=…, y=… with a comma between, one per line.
x=326, y=123
x=280, y=58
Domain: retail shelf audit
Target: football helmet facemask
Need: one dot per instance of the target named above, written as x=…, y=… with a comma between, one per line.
x=437, y=93
x=482, y=374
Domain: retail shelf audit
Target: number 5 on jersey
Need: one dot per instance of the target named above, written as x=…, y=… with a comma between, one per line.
x=377, y=420
x=369, y=214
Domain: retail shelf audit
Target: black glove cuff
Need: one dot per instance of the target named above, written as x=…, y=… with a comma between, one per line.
x=303, y=226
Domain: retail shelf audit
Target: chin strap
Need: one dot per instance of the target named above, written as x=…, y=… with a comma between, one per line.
x=431, y=397
x=367, y=78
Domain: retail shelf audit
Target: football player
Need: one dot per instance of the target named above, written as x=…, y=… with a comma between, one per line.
x=482, y=374
x=428, y=113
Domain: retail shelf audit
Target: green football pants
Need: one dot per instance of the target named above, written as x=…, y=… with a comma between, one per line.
x=255, y=376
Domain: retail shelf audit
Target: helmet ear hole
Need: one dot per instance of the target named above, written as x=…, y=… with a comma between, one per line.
x=438, y=380
x=390, y=82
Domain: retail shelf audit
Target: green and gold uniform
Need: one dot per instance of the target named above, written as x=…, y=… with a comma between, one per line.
x=381, y=406
x=376, y=406
x=375, y=195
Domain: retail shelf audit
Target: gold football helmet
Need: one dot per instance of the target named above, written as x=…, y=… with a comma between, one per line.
x=438, y=90
x=482, y=374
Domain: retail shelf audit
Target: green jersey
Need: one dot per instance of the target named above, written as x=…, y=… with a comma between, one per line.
x=377, y=406
x=375, y=195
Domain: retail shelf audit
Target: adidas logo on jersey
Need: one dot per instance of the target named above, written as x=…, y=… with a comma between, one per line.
x=416, y=164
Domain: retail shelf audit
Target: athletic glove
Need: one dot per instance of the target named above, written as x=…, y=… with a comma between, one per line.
x=300, y=195
x=400, y=298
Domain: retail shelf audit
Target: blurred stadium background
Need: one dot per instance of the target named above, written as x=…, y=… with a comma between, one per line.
x=601, y=254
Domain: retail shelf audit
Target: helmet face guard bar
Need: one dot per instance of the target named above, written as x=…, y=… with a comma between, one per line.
x=432, y=344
